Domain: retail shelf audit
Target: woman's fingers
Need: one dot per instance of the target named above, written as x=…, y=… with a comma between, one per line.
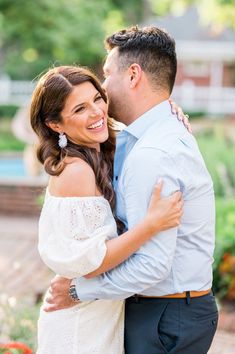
x=185, y=120
x=180, y=114
x=177, y=110
x=173, y=106
x=176, y=197
x=157, y=190
x=179, y=206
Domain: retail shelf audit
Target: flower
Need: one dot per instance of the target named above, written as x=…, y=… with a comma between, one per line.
x=227, y=272
x=22, y=348
x=228, y=264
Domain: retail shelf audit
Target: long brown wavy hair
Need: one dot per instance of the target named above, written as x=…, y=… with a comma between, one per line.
x=48, y=101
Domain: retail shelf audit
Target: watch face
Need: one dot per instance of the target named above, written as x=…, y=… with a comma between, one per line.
x=73, y=293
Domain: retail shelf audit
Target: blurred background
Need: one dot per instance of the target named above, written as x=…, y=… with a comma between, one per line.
x=36, y=35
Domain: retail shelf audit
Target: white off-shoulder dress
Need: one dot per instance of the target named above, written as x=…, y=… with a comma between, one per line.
x=72, y=235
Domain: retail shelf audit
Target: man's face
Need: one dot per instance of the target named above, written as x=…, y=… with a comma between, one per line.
x=115, y=86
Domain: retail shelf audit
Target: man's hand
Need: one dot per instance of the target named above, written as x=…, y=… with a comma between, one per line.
x=58, y=295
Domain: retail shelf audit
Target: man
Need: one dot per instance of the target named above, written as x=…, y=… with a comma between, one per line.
x=174, y=311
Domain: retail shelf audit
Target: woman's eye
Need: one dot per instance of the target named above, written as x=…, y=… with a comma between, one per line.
x=80, y=109
x=98, y=98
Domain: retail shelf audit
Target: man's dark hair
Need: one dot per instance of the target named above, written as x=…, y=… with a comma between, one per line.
x=150, y=47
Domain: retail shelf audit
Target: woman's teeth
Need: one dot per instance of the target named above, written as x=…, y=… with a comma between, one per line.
x=96, y=125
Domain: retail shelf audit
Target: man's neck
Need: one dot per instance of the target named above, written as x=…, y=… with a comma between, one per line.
x=144, y=105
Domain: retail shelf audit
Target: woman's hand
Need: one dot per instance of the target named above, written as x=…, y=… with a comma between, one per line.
x=180, y=115
x=163, y=213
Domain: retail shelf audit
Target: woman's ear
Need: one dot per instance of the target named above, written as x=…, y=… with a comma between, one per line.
x=135, y=73
x=54, y=126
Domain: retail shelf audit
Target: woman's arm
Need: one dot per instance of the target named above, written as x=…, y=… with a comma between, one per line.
x=163, y=214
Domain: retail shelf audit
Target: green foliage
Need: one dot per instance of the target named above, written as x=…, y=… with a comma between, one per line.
x=15, y=348
x=133, y=10
x=219, y=12
x=40, y=199
x=218, y=150
x=225, y=227
x=36, y=35
x=19, y=321
x=224, y=265
x=47, y=32
x=196, y=114
x=8, y=142
x=8, y=111
x=219, y=154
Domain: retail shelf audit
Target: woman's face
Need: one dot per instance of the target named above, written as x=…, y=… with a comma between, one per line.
x=84, y=117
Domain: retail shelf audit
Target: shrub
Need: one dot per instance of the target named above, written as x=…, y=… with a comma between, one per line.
x=219, y=155
x=8, y=111
x=15, y=348
x=218, y=150
x=196, y=114
x=18, y=321
x=8, y=142
x=224, y=265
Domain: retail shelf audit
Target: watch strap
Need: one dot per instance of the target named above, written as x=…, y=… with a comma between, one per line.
x=73, y=292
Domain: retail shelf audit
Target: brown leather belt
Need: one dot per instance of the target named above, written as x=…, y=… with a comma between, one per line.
x=183, y=295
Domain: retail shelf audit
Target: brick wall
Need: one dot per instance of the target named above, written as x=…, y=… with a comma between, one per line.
x=21, y=198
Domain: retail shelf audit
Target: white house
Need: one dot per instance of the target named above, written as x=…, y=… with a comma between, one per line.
x=206, y=63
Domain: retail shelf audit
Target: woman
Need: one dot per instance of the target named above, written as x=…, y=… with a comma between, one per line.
x=77, y=231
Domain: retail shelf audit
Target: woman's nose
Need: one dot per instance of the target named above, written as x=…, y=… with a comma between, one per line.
x=96, y=112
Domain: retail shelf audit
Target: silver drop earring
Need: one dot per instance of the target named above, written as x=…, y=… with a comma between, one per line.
x=62, y=140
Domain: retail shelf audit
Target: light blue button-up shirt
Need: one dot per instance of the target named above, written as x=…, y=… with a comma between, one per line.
x=155, y=146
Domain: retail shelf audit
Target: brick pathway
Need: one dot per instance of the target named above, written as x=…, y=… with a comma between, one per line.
x=21, y=269
x=224, y=343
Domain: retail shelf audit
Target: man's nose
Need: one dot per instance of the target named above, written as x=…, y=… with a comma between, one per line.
x=103, y=85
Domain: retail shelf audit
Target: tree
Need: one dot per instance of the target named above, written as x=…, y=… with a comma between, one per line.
x=218, y=12
x=36, y=35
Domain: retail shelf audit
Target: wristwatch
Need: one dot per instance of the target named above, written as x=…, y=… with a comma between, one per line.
x=72, y=291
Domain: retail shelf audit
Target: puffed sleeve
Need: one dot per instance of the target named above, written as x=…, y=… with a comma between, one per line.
x=72, y=234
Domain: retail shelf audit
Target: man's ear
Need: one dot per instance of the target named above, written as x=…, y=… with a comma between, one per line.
x=135, y=73
x=54, y=126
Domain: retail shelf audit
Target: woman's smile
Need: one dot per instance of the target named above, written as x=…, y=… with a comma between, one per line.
x=97, y=126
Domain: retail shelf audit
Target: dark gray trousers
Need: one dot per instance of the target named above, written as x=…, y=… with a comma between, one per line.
x=170, y=326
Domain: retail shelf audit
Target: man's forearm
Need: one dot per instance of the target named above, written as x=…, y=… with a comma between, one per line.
x=141, y=271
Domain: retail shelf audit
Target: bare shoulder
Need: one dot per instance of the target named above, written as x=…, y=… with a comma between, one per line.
x=76, y=180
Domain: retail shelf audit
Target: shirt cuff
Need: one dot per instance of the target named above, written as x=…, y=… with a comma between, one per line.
x=86, y=288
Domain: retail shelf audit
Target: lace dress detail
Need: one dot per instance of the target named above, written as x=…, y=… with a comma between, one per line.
x=72, y=235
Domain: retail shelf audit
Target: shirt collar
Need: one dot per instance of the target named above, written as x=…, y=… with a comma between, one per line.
x=155, y=114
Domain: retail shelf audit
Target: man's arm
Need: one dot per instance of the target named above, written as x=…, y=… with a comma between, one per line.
x=152, y=263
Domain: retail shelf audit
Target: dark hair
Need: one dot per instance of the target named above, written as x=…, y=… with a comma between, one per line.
x=48, y=101
x=150, y=47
